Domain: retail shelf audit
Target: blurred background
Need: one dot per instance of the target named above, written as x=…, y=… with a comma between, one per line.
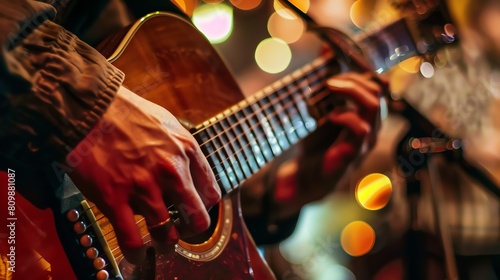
x=380, y=223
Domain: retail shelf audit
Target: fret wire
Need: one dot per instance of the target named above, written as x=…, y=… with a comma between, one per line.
x=325, y=63
x=252, y=127
x=233, y=145
x=227, y=169
x=318, y=77
x=234, y=165
x=264, y=121
x=276, y=122
x=284, y=120
x=240, y=150
x=289, y=116
x=262, y=142
x=314, y=72
x=246, y=116
x=247, y=133
x=252, y=162
x=215, y=160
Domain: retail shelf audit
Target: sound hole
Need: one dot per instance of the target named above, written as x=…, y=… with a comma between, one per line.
x=204, y=236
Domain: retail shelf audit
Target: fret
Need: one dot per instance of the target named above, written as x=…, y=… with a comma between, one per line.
x=231, y=166
x=303, y=122
x=213, y=158
x=266, y=130
x=283, y=104
x=221, y=165
x=253, y=146
x=275, y=123
x=261, y=143
x=235, y=147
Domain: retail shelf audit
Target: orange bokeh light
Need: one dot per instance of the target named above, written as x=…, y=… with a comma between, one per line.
x=374, y=191
x=246, y=4
x=357, y=238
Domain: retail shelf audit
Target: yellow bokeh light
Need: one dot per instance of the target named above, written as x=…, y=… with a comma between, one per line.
x=411, y=65
x=357, y=238
x=215, y=21
x=289, y=30
x=246, y=4
x=283, y=11
x=357, y=14
x=302, y=5
x=273, y=55
x=187, y=6
x=374, y=191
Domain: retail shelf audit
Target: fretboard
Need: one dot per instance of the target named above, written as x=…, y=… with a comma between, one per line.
x=242, y=139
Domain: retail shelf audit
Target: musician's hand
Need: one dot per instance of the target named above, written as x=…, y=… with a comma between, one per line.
x=139, y=160
x=341, y=137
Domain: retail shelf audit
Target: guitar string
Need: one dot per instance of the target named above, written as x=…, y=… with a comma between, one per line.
x=138, y=221
x=285, y=107
x=259, y=135
x=252, y=127
x=324, y=64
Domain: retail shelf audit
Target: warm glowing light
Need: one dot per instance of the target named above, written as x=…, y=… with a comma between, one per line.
x=289, y=30
x=213, y=1
x=427, y=70
x=357, y=238
x=187, y=6
x=374, y=191
x=283, y=11
x=411, y=65
x=357, y=14
x=273, y=55
x=302, y=5
x=246, y=4
x=215, y=21
x=180, y=4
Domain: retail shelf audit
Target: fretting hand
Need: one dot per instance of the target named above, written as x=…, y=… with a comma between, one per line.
x=312, y=169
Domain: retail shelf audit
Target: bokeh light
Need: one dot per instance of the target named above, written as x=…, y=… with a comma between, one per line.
x=283, y=10
x=246, y=4
x=374, y=191
x=213, y=1
x=215, y=21
x=289, y=30
x=357, y=238
x=427, y=70
x=411, y=65
x=357, y=14
x=273, y=55
x=303, y=5
x=187, y=6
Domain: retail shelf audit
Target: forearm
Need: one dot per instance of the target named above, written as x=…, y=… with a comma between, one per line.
x=54, y=87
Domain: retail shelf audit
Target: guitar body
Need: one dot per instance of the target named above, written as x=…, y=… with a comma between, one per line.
x=167, y=61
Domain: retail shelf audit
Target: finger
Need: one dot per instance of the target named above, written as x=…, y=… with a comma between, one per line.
x=365, y=80
x=352, y=122
x=361, y=95
x=153, y=208
x=127, y=233
x=184, y=196
x=337, y=156
x=203, y=178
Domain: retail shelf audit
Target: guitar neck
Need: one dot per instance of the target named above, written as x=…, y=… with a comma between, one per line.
x=243, y=138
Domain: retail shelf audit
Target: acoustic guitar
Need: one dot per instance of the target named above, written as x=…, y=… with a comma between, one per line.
x=167, y=61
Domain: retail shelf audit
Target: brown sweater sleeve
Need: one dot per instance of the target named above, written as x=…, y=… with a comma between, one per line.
x=53, y=86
